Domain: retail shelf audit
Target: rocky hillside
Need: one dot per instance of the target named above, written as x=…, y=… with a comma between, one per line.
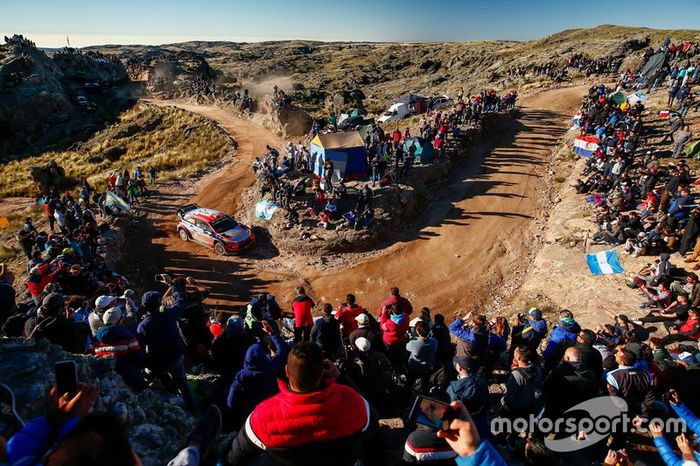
x=39, y=96
x=315, y=72
x=178, y=143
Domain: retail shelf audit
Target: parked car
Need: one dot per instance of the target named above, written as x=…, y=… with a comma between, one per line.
x=396, y=112
x=351, y=122
x=213, y=229
x=441, y=101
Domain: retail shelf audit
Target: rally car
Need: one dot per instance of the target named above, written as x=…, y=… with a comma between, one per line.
x=213, y=229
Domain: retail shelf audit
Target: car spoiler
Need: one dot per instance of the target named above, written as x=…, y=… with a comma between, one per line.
x=183, y=210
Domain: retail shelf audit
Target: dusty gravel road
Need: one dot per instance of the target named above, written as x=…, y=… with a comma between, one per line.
x=473, y=238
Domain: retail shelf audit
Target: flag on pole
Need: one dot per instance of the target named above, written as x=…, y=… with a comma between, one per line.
x=113, y=200
x=585, y=146
x=604, y=263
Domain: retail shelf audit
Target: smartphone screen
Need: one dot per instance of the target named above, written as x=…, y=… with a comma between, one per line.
x=66, y=377
x=433, y=413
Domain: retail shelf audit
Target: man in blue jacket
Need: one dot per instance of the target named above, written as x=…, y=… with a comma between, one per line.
x=159, y=335
x=257, y=380
x=563, y=336
x=470, y=389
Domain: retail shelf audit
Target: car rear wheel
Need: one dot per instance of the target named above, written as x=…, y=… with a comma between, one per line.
x=183, y=234
x=219, y=249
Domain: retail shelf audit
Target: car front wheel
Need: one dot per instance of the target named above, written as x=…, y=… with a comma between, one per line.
x=219, y=249
x=183, y=235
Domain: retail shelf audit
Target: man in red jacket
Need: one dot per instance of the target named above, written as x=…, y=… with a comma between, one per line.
x=690, y=330
x=401, y=303
x=312, y=421
x=302, y=306
x=346, y=314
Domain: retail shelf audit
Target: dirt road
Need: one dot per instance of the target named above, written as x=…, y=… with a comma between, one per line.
x=473, y=241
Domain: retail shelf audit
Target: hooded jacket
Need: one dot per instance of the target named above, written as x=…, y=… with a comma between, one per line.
x=159, y=333
x=561, y=338
x=394, y=327
x=569, y=384
x=522, y=388
x=317, y=428
x=253, y=384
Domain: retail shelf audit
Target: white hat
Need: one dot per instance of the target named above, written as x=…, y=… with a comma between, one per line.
x=363, y=344
x=103, y=301
x=112, y=316
x=362, y=319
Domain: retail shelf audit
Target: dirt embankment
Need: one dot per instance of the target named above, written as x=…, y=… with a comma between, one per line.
x=476, y=237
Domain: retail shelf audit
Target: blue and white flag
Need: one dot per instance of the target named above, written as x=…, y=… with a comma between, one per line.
x=604, y=263
x=265, y=209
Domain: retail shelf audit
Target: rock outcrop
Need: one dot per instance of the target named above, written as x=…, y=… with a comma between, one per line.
x=158, y=423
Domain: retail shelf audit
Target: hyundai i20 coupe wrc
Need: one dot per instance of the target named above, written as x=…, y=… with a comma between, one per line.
x=213, y=229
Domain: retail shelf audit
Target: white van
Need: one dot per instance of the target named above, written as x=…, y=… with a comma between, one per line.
x=395, y=112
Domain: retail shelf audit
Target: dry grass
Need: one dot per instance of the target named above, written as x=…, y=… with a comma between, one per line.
x=176, y=142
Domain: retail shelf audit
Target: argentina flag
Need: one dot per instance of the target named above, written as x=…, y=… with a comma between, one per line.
x=604, y=263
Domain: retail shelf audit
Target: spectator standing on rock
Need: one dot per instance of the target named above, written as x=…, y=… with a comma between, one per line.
x=302, y=305
x=116, y=341
x=680, y=139
x=159, y=335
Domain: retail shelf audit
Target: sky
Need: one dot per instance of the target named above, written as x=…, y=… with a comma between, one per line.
x=97, y=22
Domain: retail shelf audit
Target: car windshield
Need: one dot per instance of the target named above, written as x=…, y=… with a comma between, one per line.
x=388, y=113
x=223, y=224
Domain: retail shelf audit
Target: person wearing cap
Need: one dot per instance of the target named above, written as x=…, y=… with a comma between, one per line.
x=369, y=370
x=102, y=303
x=115, y=340
x=51, y=323
x=531, y=329
x=159, y=335
x=473, y=391
x=364, y=329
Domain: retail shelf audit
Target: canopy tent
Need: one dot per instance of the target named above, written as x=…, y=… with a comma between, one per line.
x=618, y=98
x=346, y=150
x=653, y=64
x=425, y=152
